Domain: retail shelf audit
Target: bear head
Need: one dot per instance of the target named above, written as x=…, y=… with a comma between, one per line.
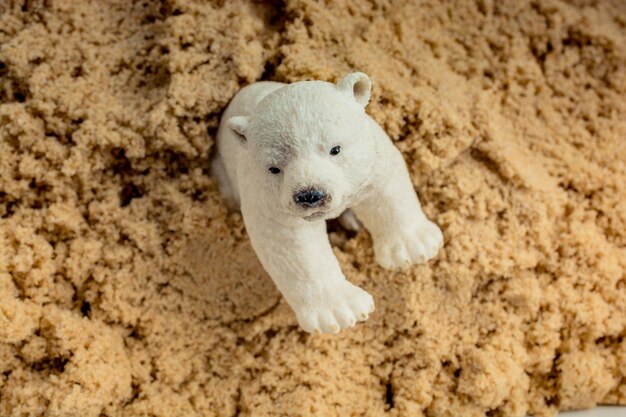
x=311, y=144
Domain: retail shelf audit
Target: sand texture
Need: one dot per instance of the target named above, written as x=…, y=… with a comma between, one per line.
x=128, y=289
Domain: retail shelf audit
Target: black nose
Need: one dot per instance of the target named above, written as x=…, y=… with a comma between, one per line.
x=309, y=198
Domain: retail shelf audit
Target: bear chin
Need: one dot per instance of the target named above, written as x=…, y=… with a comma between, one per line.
x=319, y=215
x=324, y=214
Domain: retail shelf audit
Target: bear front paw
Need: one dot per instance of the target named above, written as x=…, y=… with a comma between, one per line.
x=402, y=247
x=331, y=308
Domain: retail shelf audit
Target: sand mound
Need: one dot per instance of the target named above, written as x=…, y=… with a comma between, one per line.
x=127, y=289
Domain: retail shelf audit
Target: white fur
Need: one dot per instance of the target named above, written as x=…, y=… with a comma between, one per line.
x=293, y=127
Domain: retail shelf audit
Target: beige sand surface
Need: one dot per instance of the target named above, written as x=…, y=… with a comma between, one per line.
x=127, y=289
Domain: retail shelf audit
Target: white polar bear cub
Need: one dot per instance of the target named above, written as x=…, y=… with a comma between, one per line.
x=293, y=155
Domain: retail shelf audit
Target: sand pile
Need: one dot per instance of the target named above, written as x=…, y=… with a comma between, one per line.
x=127, y=289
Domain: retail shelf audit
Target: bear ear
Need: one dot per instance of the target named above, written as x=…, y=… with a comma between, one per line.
x=358, y=85
x=238, y=125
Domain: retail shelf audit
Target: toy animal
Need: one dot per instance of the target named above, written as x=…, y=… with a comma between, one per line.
x=291, y=156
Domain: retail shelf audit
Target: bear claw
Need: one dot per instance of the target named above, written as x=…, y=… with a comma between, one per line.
x=403, y=247
x=339, y=307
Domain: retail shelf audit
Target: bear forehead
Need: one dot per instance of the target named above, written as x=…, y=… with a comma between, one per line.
x=309, y=111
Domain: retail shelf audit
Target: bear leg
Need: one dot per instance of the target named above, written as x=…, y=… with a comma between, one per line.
x=298, y=257
x=401, y=232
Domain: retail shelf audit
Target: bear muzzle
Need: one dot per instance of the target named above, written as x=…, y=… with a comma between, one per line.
x=310, y=198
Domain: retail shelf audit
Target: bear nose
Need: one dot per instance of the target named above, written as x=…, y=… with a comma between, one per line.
x=309, y=198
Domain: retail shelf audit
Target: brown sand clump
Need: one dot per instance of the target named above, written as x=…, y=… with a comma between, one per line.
x=127, y=289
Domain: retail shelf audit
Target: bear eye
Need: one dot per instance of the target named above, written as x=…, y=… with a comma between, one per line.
x=274, y=170
x=334, y=151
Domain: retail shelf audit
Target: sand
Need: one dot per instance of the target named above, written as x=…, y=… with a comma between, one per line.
x=128, y=289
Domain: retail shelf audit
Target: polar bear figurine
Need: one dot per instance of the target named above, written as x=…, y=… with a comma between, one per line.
x=291, y=156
